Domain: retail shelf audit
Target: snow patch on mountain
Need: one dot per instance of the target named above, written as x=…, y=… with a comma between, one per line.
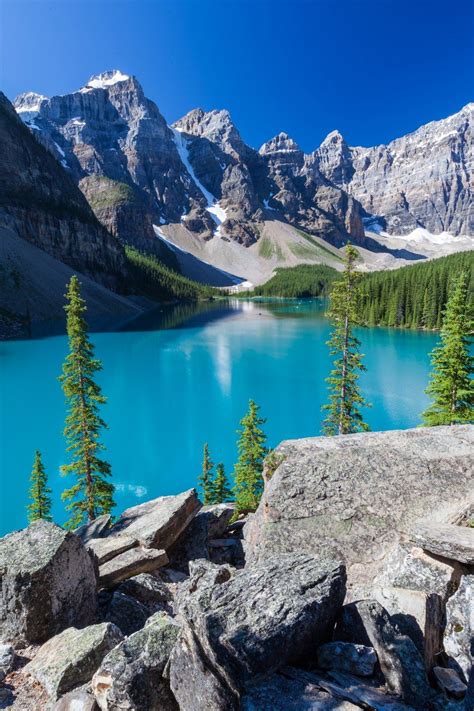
x=217, y=212
x=101, y=81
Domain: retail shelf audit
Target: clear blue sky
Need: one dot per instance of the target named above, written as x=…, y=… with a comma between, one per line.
x=374, y=69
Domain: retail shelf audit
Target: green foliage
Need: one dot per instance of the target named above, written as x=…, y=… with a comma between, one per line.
x=414, y=296
x=452, y=385
x=220, y=488
x=153, y=279
x=109, y=193
x=40, y=506
x=206, y=476
x=272, y=462
x=92, y=494
x=305, y=280
x=343, y=413
x=323, y=251
x=248, y=472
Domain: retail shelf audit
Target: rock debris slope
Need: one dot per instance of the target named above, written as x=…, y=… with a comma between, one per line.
x=272, y=632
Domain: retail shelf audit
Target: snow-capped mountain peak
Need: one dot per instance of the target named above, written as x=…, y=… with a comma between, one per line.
x=102, y=81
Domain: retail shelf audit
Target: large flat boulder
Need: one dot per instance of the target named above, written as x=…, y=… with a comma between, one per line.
x=70, y=658
x=131, y=675
x=353, y=497
x=48, y=583
x=453, y=542
x=238, y=627
x=129, y=563
x=158, y=523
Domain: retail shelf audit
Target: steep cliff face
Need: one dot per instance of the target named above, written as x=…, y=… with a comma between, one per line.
x=42, y=212
x=41, y=203
x=423, y=179
x=198, y=173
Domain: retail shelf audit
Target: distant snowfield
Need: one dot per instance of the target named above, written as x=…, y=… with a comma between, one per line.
x=217, y=212
x=101, y=81
x=419, y=235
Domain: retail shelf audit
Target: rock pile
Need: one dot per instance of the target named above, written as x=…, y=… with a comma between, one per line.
x=84, y=628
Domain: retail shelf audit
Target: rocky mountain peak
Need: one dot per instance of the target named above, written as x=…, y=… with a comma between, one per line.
x=333, y=138
x=216, y=126
x=282, y=143
x=29, y=101
x=106, y=79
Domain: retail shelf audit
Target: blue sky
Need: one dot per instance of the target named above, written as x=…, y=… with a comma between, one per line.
x=374, y=69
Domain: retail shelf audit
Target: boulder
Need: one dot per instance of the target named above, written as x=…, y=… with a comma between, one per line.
x=366, y=622
x=192, y=543
x=70, y=658
x=130, y=563
x=77, y=700
x=448, y=681
x=158, y=523
x=459, y=630
x=105, y=549
x=48, y=583
x=291, y=690
x=220, y=515
x=147, y=589
x=7, y=657
x=414, y=587
x=345, y=686
x=94, y=529
x=354, y=496
x=265, y=616
x=125, y=612
x=131, y=675
x=453, y=542
x=347, y=657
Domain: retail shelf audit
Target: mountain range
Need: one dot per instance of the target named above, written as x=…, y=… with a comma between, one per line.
x=103, y=163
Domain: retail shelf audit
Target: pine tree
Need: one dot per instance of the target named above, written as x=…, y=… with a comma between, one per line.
x=345, y=399
x=220, y=489
x=40, y=506
x=452, y=386
x=205, y=478
x=92, y=494
x=252, y=450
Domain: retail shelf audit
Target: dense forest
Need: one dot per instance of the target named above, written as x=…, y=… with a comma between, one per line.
x=305, y=280
x=157, y=281
x=414, y=296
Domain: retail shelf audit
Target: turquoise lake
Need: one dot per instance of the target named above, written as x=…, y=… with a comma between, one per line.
x=183, y=376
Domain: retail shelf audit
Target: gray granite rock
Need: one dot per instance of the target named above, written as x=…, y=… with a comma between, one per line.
x=77, y=700
x=131, y=675
x=147, y=589
x=94, y=529
x=107, y=548
x=130, y=563
x=125, y=612
x=291, y=690
x=449, y=681
x=347, y=657
x=268, y=615
x=459, y=630
x=48, y=583
x=366, y=622
x=70, y=658
x=7, y=656
x=414, y=587
x=158, y=523
x=355, y=496
x=453, y=542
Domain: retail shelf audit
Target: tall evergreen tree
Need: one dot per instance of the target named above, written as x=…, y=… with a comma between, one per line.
x=92, y=493
x=252, y=450
x=40, y=506
x=345, y=399
x=220, y=490
x=205, y=478
x=452, y=385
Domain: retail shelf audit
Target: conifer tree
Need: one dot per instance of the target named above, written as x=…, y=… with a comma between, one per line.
x=205, y=478
x=92, y=493
x=252, y=451
x=345, y=399
x=220, y=490
x=452, y=385
x=40, y=506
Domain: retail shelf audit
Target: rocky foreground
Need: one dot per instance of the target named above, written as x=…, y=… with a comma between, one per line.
x=351, y=587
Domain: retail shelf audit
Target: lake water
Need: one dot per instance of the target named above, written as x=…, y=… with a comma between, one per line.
x=183, y=376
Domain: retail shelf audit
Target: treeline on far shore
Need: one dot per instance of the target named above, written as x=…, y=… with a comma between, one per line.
x=413, y=296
